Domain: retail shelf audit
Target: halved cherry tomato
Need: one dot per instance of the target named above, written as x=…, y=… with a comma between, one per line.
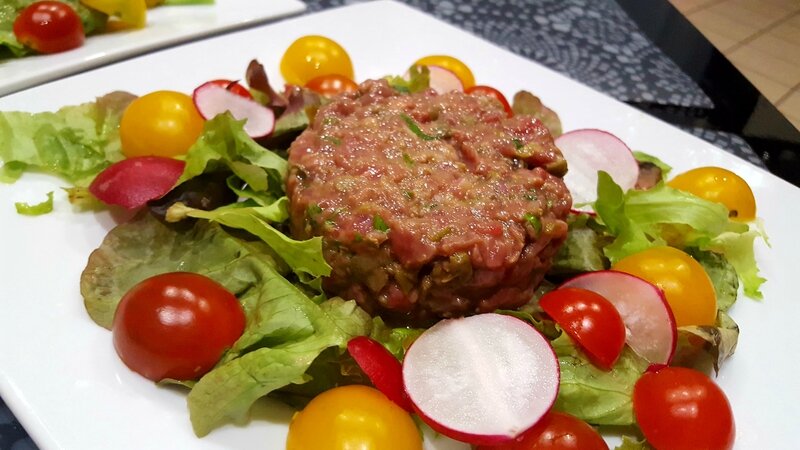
x=313, y=56
x=722, y=186
x=234, y=87
x=591, y=320
x=452, y=64
x=352, y=417
x=162, y=123
x=685, y=283
x=49, y=27
x=491, y=92
x=556, y=431
x=333, y=84
x=682, y=409
x=176, y=325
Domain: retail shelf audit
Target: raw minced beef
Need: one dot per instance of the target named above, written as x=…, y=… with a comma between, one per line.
x=429, y=205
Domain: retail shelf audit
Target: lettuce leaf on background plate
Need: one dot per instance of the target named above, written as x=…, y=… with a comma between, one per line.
x=9, y=9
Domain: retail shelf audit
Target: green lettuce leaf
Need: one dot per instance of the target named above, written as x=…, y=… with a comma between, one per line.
x=282, y=357
x=582, y=251
x=418, y=80
x=75, y=142
x=666, y=216
x=396, y=340
x=592, y=394
x=286, y=331
x=722, y=274
x=645, y=157
x=224, y=143
x=631, y=443
x=37, y=209
x=304, y=257
x=738, y=249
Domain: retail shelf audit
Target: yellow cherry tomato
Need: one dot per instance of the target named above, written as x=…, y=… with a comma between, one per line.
x=353, y=417
x=452, y=64
x=722, y=186
x=130, y=12
x=313, y=56
x=685, y=283
x=162, y=123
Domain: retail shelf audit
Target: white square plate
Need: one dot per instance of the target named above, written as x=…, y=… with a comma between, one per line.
x=166, y=25
x=59, y=372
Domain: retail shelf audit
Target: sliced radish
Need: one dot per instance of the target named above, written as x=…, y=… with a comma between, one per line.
x=589, y=151
x=444, y=81
x=382, y=368
x=133, y=182
x=211, y=99
x=650, y=325
x=484, y=379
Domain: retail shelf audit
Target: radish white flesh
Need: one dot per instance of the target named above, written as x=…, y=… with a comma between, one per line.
x=211, y=99
x=443, y=81
x=651, y=330
x=589, y=151
x=484, y=379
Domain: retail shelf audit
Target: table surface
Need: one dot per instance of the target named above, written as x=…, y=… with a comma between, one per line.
x=643, y=53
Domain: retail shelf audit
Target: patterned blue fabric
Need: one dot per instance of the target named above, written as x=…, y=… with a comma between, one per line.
x=592, y=41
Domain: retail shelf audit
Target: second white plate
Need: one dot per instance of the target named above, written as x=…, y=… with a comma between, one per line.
x=166, y=25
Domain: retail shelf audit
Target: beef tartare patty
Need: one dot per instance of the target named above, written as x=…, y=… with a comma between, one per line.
x=429, y=205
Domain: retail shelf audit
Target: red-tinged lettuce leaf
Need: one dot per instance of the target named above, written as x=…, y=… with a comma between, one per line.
x=701, y=347
x=137, y=250
x=526, y=103
x=258, y=81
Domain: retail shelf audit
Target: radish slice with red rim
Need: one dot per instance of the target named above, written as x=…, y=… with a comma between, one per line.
x=589, y=151
x=132, y=182
x=443, y=81
x=651, y=330
x=381, y=367
x=483, y=379
x=211, y=99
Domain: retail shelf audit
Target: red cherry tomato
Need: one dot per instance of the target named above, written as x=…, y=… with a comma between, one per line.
x=591, y=320
x=491, y=92
x=333, y=84
x=234, y=87
x=682, y=409
x=49, y=27
x=176, y=325
x=556, y=431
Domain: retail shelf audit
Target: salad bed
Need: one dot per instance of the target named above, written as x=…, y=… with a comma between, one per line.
x=291, y=327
